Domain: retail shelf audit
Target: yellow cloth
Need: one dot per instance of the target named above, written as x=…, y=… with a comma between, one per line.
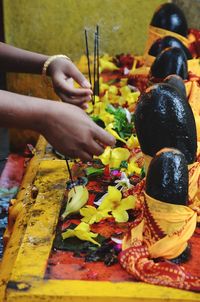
x=177, y=222
x=193, y=94
x=194, y=188
x=194, y=66
x=155, y=33
x=147, y=161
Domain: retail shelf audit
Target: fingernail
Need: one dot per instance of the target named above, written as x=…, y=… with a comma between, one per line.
x=85, y=106
x=113, y=141
x=85, y=84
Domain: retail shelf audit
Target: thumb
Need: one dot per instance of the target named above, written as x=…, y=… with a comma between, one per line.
x=78, y=76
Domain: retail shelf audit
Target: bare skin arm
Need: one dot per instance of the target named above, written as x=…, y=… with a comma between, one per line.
x=65, y=126
x=13, y=59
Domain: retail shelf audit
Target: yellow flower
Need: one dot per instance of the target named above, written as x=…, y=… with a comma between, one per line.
x=128, y=96
x=114, y=157
x=125, y=91
x=112, y=90
x=132, y=97
x=100, y=111
x=92, y=215
x=76, y=199
x=107, y=117
x=109, y=128
x=107, y=65
x=133, y=168
x=82, y=231
x=132, y=142
x=103, y=87
x=123, y=82
x=114, y=203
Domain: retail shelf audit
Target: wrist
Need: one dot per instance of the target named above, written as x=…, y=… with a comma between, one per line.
x=51, y=64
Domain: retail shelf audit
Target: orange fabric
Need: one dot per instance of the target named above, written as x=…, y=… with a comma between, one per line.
x=161, y=231
x=137, y=262
x=155, y=33
x=175, y=223
x=193, y=93
x=194, y=188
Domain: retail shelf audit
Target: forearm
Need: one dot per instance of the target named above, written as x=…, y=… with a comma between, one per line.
x=18, y=60
x=21, y=111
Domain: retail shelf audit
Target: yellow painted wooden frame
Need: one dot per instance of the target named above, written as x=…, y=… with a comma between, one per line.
x=24, y=263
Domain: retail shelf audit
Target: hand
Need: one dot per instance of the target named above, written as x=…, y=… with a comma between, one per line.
x=73, y=133
x=60, y=71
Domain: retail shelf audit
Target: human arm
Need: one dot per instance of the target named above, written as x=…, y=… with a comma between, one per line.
x=13, y=59
x=65, y=126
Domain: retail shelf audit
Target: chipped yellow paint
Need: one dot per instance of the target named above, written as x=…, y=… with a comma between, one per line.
x=37, y=241
x=15, y=235
x=93, y=291
x=28, y=249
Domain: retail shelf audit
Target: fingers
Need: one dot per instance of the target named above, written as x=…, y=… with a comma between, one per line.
x=95, y=148
x=80, y=102
x=103, y=137
x=78, y=76
x=60, y=86
x=83, y=155
x=92, y=149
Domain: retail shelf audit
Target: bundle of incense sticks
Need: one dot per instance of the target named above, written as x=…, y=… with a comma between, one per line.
x=95, y=78
x=95, y=81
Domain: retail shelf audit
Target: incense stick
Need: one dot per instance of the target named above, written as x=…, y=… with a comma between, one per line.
x=98, y=38
x=95, y=61
x=88, y=56
x=70, y=174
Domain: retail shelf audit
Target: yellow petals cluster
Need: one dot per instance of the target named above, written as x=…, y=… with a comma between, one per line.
x=113, y=205
x=91, y=214
x=82, y=231
x=118, y=206
x=77, y=198
x=114, y=157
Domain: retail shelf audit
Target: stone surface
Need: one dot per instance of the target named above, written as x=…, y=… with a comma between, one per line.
x=191, y=9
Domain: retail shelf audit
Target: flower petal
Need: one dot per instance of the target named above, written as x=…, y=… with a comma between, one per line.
x=82, y=231
x=132, y=142
x=82, y=227
x=128, y=203
x=118, y=155
x=120, y=216
x=68, y=234
x=105, y=157
x=133, y=168
x=109, y=202
x=109, y=128
x=87, y=236
x=92, y=215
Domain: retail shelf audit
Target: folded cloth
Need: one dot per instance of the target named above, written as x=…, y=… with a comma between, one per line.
x=193, y=94
x=161, y=231
x=155, y=33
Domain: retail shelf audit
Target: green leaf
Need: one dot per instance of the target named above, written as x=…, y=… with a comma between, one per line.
x=124, y=164
x=111, y=109
x=94, y=171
